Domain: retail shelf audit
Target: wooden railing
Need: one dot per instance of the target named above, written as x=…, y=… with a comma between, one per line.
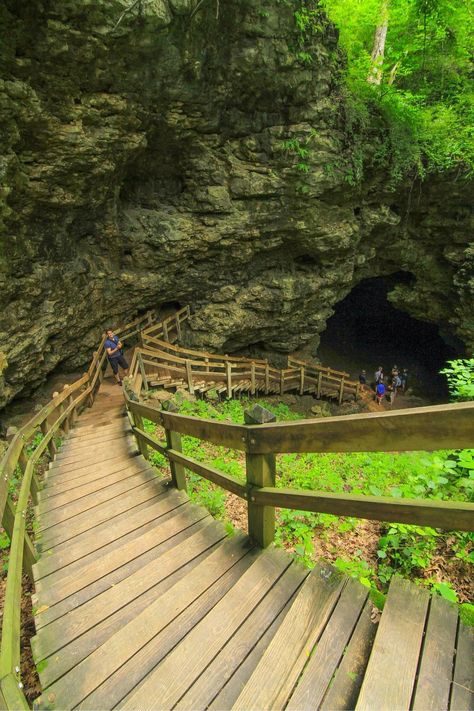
x=426, y=428
x=59, y=413
x=160, y=359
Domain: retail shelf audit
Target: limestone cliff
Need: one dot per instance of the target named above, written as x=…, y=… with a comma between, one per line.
x=151, y=152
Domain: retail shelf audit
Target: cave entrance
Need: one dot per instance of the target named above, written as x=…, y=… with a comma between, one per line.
x=366, y=331
x=168, y=309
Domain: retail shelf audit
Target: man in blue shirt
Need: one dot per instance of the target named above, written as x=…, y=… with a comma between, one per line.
x=114, y=349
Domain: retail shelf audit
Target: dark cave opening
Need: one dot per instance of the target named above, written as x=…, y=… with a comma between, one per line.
x=366, y=331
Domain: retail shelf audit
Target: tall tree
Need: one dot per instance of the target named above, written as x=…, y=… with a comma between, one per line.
x=378, y=49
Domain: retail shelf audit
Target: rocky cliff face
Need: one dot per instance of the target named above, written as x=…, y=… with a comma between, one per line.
x=197, y=152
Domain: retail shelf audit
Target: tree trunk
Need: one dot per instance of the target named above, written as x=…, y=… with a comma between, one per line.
x=378, y=50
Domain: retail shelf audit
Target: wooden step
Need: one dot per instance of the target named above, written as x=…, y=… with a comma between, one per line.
x=50, y=517
x=107, y=511
x=280, y=667
x=142, y=629
x=103, y=536
x=58, y=499
x=167, y=682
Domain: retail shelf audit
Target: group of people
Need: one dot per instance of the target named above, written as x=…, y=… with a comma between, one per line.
x=398, y=381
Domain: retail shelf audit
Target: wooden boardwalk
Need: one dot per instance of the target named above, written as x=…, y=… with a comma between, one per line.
x=143, y=602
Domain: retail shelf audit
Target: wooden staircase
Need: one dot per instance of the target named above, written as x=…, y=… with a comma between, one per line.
x=143, y=602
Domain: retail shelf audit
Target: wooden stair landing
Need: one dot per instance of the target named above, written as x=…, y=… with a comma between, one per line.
x=143, y=602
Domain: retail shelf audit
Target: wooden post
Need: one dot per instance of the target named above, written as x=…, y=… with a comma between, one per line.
x=252, y=378
x=178, y=329
x=206, y=360
x=341, y=391
x=302, y=380
x=267, y=378
x=142, y=371
x=228, y=369
x=51, y=445
x=165, y=331
x=67, y=402
x=260, y=471
x=320, y=382
x=29, y=554
x=142, y=445
x=35, y=485
x=282, y=381
x=173, y=441
x=189, y=375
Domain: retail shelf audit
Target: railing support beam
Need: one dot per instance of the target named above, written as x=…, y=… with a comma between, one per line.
x=260, y=470
x=173, y=441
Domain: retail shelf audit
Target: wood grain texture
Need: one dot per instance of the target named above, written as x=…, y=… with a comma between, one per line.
x=397, y=648
x=344, y=690
x=326, y=656
x=185, y=559
x=437, y=659
x=211, y=681
x=462, y=694
x=277, y=672
x=107, y=659
x=166, y=682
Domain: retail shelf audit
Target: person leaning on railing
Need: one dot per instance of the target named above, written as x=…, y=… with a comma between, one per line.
x=114, y=349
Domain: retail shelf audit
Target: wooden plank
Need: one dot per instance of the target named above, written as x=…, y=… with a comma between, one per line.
x=69, y=511
x=77, y=493
x=285, y=657
x=436, y=668
x=68, y=584
x=397, y=647
x=226, y=481
x=344, y=690
x=100, y=537
x=82, y=444
x=85, y=453
x=108, y=659
x=107, y=511
x=128, y=676
x=70, y=465
x=58, y=485
x=451, y=515
x=227, y=696
x=462, y=694
x=64, y=631
x=329, y=651
x=211, y=681
x=71, y=655
x=209, y=635
x=421, y=428
x=56, y=477
x=90, y=433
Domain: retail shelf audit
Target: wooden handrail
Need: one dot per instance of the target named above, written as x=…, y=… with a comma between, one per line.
x=428, y=428
x=14, y=518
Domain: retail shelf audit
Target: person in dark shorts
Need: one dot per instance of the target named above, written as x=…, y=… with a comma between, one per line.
x=114, y=349
x=362, y=379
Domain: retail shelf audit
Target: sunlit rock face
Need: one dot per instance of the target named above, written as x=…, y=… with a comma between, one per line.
x=170, y=150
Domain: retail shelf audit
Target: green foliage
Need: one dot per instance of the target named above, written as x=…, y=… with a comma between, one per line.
x=460, y=377
x=466, y=613
x=407, y=550
x=426, y=93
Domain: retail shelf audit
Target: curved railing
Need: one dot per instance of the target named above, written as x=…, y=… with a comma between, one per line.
x=59, y=413
x=161, y=361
